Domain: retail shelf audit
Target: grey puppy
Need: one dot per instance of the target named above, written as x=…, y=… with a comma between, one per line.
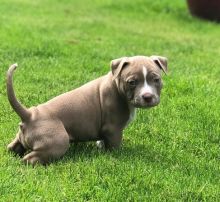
x=96, y=111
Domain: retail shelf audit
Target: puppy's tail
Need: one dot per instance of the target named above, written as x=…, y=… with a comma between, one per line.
x=22, y=111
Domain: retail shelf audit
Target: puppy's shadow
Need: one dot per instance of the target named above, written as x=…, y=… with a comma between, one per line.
x=81, y=152
x=127, y=153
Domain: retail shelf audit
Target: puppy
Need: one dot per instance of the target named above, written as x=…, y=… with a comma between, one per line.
x=96, y=111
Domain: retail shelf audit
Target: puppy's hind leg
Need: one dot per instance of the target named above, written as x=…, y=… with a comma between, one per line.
x=16, y=147
x=51, y=142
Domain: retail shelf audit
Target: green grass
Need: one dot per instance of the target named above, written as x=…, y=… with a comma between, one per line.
x=170, y=152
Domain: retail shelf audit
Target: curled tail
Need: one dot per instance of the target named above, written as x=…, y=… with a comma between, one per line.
x=22, y=111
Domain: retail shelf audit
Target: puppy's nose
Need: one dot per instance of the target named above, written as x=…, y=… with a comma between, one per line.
x=147, y=97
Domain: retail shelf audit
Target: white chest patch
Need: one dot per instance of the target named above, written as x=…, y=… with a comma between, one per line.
x=131, y=116
x=146, y=88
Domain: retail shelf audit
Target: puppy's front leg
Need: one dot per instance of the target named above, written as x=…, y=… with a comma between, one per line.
x=112, y=139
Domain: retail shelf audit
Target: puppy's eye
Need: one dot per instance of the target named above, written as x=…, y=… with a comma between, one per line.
x=157, y=80
x=132, y=83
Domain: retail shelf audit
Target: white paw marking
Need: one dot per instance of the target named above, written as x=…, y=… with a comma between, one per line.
x=100, y=144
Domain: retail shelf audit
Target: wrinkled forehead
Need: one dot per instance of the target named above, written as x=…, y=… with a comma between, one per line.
x=137, y=65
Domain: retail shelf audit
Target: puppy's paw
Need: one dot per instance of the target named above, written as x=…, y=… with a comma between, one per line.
x=33, y=159
x=100, y=144
x=16, y=148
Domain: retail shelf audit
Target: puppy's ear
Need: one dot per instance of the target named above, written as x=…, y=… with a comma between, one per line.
x=161, y=62
x=117, y=65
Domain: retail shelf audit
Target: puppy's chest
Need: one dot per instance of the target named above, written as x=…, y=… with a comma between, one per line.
x=131, y=115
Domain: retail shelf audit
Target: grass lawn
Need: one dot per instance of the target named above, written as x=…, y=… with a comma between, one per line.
x=170, y=152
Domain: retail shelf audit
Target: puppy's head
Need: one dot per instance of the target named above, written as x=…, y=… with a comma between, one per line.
x=138, y=78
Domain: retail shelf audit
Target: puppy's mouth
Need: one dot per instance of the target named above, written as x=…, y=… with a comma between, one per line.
x=140, y=103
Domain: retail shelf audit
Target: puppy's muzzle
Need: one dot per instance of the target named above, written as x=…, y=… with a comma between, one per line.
x=147, y=97
x=146, y=100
